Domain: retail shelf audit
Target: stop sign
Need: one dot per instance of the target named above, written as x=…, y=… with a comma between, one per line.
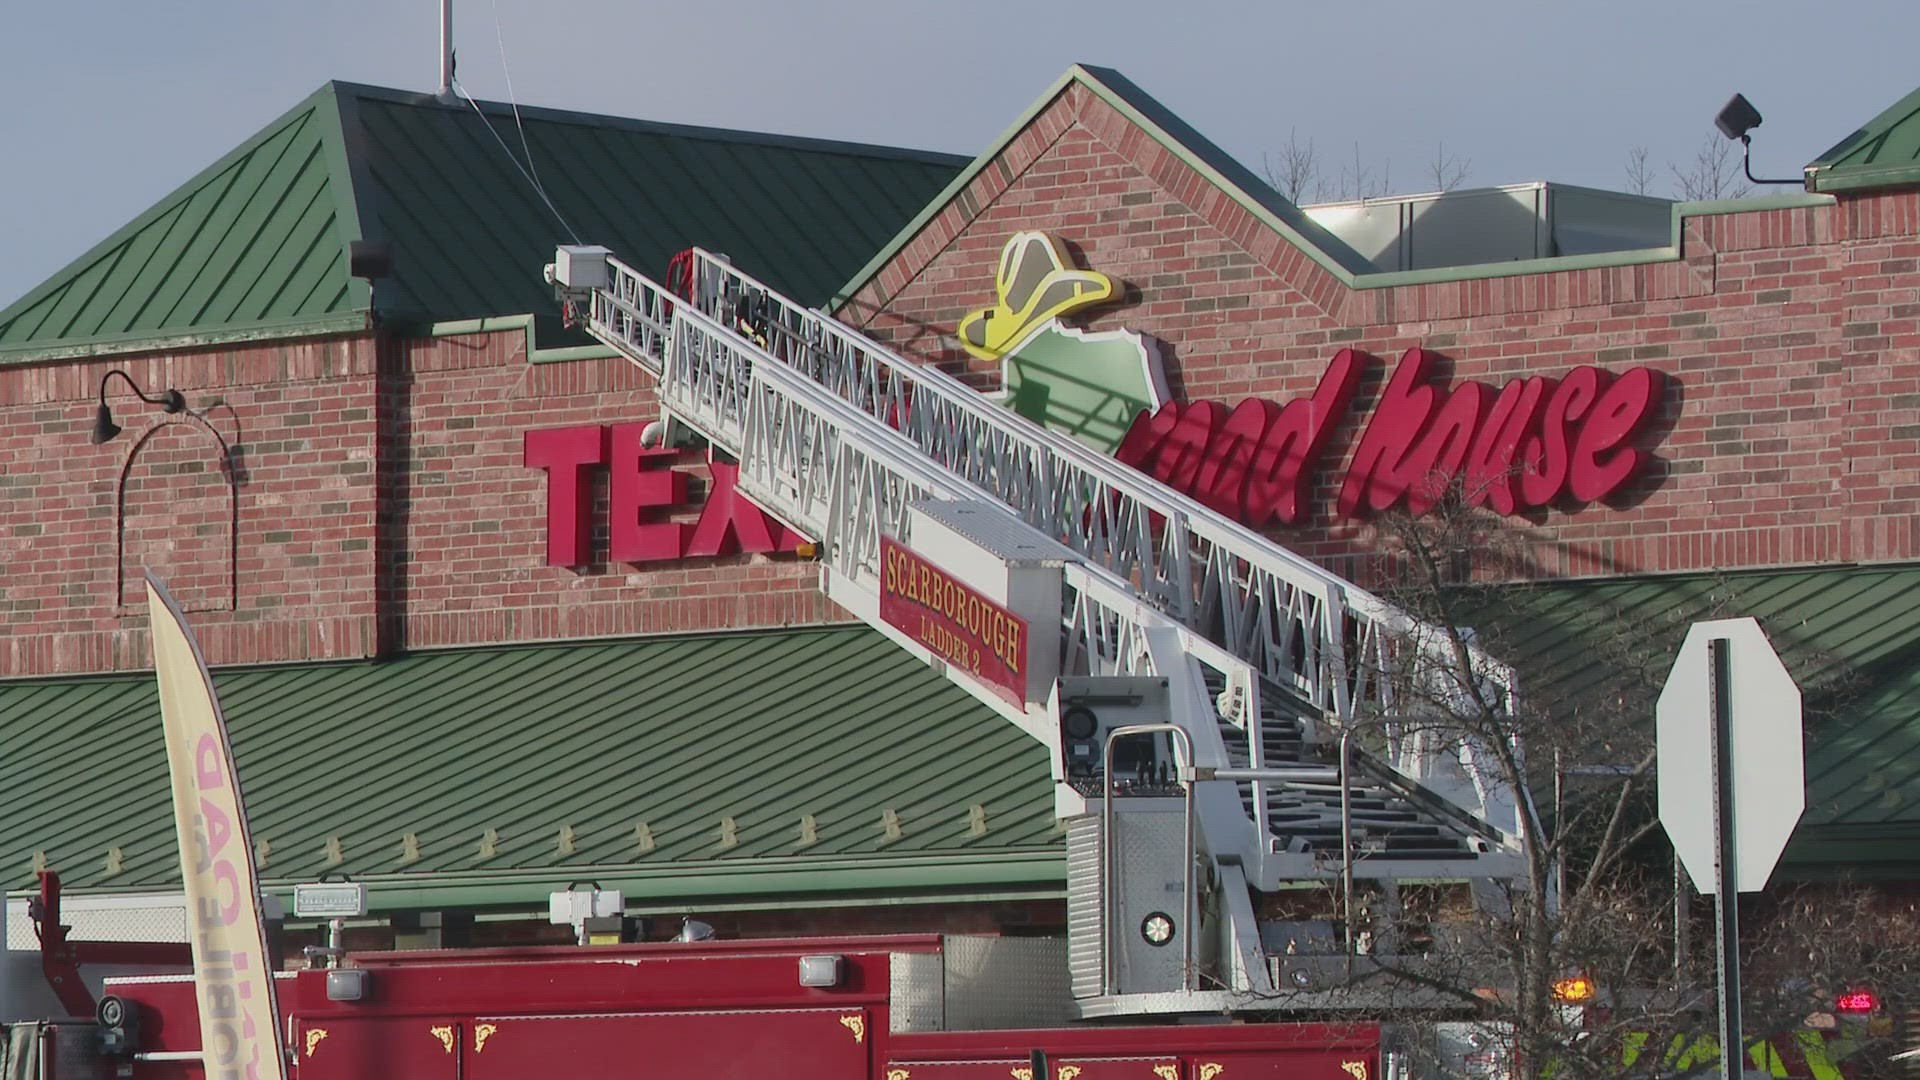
x=1767, y=768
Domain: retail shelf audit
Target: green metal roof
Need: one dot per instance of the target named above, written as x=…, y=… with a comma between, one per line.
x=718, y=744
x=1884, y=153
x=1849, y=634
x=256, y=245
x=256, y=241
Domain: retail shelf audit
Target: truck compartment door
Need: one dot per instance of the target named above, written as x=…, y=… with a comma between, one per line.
x=352, y=1048
x=784, y=1044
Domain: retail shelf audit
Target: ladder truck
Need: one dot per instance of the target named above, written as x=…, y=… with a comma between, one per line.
x=1195, y=685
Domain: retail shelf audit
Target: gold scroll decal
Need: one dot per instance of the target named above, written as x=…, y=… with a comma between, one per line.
x=1066, y=1072
x=485, y=1031
x=1167, y=1072
x=897, y=1074
x=314, y=1035
x=1355, y=1069
x=1211, y=1069
x=1022, y=1072
x=444, y=1033
x=856, y=1024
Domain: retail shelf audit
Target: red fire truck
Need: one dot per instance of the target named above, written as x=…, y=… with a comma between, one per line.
x=884, y=1008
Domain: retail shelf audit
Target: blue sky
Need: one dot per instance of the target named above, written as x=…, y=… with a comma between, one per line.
x=109, y=105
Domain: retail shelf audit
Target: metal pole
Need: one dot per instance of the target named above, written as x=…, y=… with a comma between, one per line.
x=446, y=50
x=1559, y=822
x=1726, y=880
x=6, y=969
x=1346, y=840
x=1682, y=918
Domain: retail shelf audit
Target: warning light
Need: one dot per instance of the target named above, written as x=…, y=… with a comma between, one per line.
x=1574, y=990
x=1856, y=1001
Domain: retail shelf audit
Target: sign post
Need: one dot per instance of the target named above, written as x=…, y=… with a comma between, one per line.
x=1732, y=782
x=1726, y=899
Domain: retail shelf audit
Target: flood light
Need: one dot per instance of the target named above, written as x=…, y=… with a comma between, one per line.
x=1737, y=117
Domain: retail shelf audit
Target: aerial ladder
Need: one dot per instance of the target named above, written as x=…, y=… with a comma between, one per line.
x=1233, y=731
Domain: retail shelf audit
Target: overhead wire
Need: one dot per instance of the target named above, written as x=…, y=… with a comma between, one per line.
x=500, y=38
x=527, y=172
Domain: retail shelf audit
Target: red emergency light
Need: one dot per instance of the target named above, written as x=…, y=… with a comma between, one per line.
x=1856, y=1001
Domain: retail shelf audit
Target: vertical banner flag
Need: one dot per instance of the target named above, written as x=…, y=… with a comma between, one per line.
x=239, y=1027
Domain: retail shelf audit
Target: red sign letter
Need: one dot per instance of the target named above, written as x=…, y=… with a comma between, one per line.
x=640, y=479
x=1443, y=447
x=1376, y=479
x=1144, y=436
x=566, y=454
x=1543, y=476
x=1491, y=462
x=730, y=522
x=1294, y=441
x=1614, y=419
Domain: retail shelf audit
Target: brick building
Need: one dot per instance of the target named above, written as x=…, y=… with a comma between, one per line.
x=347, y=495
x=430, y=695
x=1776, y=474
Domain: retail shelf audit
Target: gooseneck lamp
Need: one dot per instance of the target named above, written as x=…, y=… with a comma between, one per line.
x=105, y=429
x=1737, y=118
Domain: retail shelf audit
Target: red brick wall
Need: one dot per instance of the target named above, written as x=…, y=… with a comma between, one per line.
x=381, y=505
x=471, y=564
x=301, y=419
x=1789, y=432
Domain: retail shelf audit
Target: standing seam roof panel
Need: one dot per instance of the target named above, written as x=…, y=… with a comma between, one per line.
x=834, y=722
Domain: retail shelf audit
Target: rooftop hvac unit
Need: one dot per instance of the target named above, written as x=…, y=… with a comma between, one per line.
x=1492, y=225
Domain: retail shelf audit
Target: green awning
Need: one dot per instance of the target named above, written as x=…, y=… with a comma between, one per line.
x=744, y=768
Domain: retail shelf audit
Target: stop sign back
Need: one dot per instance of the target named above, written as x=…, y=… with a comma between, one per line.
x=1768, y=770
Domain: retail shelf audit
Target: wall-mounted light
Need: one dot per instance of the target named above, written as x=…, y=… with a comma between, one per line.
x=104, y=429
x=1737, y=118
x=371, y=261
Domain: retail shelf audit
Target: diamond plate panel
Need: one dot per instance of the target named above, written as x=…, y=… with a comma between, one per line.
x=916, y=992
x=995, y=983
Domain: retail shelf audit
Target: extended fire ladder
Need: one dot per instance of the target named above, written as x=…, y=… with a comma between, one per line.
x=1237, y=672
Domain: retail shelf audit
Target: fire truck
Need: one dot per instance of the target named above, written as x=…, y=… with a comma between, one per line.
x=1195, y=686
x=884, y=1008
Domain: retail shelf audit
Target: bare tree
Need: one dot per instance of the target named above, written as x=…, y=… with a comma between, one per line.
x=1639, y=173
x=1296, y=172
x=1596, y=897
x=1713, y=174
x=1447, y=170
x=1359, y=180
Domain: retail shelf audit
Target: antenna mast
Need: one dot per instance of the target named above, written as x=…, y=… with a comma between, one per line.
x=446, y=50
